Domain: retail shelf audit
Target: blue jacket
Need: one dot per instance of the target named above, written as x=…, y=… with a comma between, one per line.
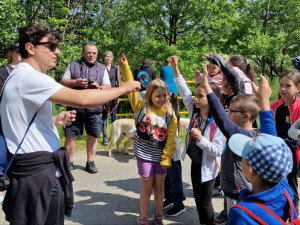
x=272, y=198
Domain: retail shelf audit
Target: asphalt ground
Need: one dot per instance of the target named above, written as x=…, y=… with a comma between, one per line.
x=111, y=196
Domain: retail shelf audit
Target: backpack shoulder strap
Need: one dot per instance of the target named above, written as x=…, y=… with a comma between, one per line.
x=250, y=214
x=212, y=130
x=141, y=114
x=169, y=118
x=292, y=207
x=270, y=211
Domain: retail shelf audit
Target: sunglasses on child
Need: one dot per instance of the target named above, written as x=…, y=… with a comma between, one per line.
x=51, y=46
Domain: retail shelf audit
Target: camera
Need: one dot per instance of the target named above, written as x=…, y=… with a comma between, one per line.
x=90, y=83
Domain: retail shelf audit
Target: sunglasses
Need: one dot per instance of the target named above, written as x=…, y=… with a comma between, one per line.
x=50, y=45
x=90, y=42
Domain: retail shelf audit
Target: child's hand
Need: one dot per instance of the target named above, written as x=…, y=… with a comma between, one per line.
x=202, y=77
x=197, y=76
x=122, y=60
x=165, y=167
x=174, y=65
x=174, y=62
x=196, y=133
x=263, y=93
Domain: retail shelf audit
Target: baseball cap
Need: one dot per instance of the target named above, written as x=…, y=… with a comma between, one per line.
x=268, y=155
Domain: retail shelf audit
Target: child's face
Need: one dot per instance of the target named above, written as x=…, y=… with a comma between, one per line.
x=213, y=69
x=200, y=98
x=226, y=88
x=287, y=89
x=159, y=97
x=235, y=114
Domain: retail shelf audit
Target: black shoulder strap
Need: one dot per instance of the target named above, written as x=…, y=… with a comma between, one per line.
x=141, y=114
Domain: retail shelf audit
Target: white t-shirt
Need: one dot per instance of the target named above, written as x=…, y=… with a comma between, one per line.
x=106, y=80
x=26, y=92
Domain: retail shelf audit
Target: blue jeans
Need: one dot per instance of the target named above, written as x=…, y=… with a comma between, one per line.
x=173, y=183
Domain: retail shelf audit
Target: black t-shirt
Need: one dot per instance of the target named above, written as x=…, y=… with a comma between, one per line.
x=4, y=72
x=283, y=121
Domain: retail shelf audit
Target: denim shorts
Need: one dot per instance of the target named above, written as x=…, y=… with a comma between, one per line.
x=148, y=168
x=91, y=121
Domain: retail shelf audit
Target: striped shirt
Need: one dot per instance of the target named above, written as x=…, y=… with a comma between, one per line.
x=146, y=150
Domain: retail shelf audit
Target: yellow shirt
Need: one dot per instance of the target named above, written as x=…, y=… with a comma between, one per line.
x=136, y=104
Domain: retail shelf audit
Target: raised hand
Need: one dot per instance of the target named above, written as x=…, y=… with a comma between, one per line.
x=202, y=77
x=174, y=65
x=197, y=77
x=130, y=86
x=263, y=93
x=122, y=60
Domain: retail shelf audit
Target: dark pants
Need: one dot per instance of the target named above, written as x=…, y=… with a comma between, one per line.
x=173, y=183
x=203, y=195
x=57, y=204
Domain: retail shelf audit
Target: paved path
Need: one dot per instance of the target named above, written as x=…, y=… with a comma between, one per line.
x=111, y=196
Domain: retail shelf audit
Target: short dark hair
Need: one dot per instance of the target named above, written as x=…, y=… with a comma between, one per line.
x=147, y=61
x=34, y=33
x=247, y=103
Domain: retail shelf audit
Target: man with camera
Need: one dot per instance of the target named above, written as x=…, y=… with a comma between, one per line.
x=86, y=73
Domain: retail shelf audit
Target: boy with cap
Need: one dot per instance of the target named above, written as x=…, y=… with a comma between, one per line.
x=267, y=160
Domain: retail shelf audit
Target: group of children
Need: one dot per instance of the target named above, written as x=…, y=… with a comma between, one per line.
x=258, y=170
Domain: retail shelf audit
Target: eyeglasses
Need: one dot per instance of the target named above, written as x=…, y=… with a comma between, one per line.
x=51, y=46
x=90, y=42
x=234, y=111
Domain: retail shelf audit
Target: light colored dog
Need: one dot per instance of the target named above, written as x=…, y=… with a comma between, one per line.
x=184, y=124
x=119, y=130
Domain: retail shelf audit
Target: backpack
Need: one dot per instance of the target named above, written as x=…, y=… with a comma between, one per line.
x=262, y=222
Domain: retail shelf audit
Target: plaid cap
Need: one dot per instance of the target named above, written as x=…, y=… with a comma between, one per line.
x=268, y=155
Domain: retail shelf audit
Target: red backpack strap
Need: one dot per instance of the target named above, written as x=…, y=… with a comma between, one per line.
x=212, y=130
x=250, y=214
x=270, y=211
x=291, y=208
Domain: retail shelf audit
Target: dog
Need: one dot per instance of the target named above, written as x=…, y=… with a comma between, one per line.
x=119, y=130
x=184, y=124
